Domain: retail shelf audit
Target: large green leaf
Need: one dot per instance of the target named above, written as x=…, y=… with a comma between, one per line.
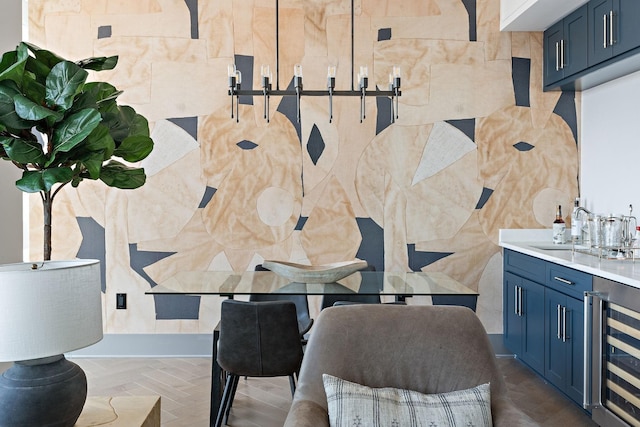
x=134, y=148
x=73, y=129
x=93, y=164
x=8, y=116
x=63, y=83
x=33, y=89
x=115, y=174
x=44, y=56
x=99, y=63
x=93, y=94
x=29, y=110
x=125, y=122
x=100, y=140
x=13, y=64
x=43, y=180
x=23, y=151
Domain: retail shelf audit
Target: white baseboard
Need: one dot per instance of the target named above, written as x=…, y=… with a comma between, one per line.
x=148, y=345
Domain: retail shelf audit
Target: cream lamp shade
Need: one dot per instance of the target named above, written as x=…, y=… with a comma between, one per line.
x=52, y=309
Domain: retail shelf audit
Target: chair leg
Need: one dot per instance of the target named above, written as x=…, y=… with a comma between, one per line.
x=234, y=386
x=292, y=384
x=228, y=387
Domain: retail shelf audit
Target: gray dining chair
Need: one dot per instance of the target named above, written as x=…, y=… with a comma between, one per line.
x=302, y=306
x=257, y=339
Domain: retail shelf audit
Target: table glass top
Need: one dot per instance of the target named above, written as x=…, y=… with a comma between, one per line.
x=266, y=282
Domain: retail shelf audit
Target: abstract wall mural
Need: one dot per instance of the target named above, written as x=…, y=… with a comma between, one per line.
x=478, y=146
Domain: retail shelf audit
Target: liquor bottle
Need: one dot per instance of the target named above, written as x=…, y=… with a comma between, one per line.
x=576, y=223
x=558, y=227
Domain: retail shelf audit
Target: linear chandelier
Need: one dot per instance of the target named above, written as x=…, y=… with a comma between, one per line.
x=235, y=82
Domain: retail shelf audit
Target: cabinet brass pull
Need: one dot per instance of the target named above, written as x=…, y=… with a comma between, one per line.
x=604, y=31
x=565, y=281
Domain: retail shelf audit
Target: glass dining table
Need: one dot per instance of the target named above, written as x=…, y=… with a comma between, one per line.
x=397, y=285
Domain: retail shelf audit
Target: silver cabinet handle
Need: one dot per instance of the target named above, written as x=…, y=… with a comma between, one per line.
x=515, y=301
x=604, y=31
x=611, y=40
x=558, y=327
x=565, y=281
x=520, y=301
x=564, y=324
x=562, y=63
x=557, y=55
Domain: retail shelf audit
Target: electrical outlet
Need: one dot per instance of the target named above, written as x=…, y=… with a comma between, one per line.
x=121, y=301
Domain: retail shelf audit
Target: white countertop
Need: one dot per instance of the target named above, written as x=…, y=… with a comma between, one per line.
x=531, y=242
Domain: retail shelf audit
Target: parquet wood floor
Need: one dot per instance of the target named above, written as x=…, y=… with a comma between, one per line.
x=184, y=385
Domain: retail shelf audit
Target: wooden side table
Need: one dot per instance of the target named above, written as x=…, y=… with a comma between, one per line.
x=120, y=411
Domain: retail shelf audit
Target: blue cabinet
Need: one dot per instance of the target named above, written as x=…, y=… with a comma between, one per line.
x=612, y=28
x=544, y=319
x=564, y=343
x=524, y=313
x=565, y=47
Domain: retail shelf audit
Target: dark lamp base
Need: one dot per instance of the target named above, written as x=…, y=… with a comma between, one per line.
x=46, y=392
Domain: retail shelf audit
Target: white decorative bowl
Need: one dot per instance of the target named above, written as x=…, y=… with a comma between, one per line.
x=328, y=273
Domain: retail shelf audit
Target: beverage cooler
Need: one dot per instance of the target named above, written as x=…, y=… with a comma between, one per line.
x=612, y=353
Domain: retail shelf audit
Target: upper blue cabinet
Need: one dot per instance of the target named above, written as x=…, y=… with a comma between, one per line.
x=598, y=42
x=613, y=28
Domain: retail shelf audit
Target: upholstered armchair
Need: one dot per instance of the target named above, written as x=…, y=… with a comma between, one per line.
x=429, y=349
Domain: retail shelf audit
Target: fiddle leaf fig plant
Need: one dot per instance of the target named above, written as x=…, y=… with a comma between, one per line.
x=60, y=129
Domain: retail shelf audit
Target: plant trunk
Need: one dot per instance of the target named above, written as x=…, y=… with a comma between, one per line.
x=47, y=203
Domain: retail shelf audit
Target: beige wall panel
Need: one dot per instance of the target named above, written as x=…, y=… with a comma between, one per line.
x=243, y=26
x=396, y=257
x=520, y=44
x=232, y=215
x=215, y=23
x=171, y=143
x=185, y=89
x=397, y=152
x=173, y=20
x=59, y=29
x=405, y=8
x=546, y=202
x=453, y=27
x=166, y=203
x=489, y=308
x=120, y=7
x=498, y=44
x=331, y=233
x=89, y=199
x=554, y=157
x=140, y=316
x=195, y=250
x=542, y=103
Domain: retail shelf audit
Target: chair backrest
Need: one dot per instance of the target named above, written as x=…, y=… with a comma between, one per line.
x=259, y=338
x=301, y=302
x=430, y=349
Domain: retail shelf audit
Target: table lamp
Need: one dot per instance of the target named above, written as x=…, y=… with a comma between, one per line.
x=46, y=309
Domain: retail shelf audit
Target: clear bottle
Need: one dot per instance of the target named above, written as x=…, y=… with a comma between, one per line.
x=576, y=223
x=559, y=227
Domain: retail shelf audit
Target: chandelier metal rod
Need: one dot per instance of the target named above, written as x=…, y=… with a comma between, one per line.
x=249, y=92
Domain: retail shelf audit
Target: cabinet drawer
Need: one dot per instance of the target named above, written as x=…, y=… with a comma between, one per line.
x=524, y=265
x=569, y=281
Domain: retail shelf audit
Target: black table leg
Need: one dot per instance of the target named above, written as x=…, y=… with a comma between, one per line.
x=216, y=379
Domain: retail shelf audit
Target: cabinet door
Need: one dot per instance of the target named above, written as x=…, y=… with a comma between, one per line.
x=553, y=39
x=555, y=369
x=626, y=15
x=575, y=47
x=599, y=31
x=564, y=340
x=533, y=325
x=512, y=320
x=575, y=348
